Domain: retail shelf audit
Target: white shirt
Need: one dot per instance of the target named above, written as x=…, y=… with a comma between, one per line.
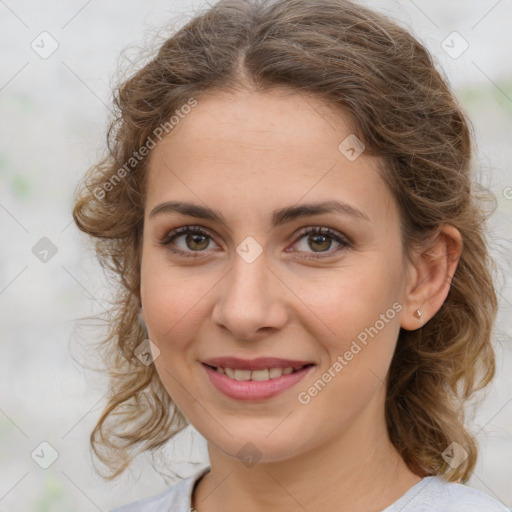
x=431, y=494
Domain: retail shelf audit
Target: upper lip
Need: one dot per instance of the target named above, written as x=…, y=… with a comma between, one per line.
x=259, y=363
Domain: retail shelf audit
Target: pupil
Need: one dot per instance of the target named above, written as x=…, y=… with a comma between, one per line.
x=319, y=239
x=193, y=238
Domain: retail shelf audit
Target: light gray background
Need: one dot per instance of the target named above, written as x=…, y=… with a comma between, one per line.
x=53, y=115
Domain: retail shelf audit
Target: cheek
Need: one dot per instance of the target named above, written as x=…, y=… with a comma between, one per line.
x=172, y=307
x=360, y=326
x=353, y=299
x=171, y=298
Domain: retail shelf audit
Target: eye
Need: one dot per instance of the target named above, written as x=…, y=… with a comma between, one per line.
x=191, y=241
x=320, y=240
x=187, y=240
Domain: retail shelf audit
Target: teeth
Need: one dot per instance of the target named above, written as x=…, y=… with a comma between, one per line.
x=258, y=375
x=242, y=374
x=275, y=372
x=261, y=374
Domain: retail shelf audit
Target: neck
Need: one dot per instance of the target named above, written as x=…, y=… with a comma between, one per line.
x=359, y=471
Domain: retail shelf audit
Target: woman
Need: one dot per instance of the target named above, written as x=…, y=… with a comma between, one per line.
x=288, y=205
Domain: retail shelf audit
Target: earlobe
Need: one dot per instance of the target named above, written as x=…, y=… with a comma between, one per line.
x=434, y=268
x=419, y=314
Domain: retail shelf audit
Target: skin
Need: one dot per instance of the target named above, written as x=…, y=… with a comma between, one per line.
x=246, y=155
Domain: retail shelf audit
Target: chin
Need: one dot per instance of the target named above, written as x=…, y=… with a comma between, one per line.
x=257, y=447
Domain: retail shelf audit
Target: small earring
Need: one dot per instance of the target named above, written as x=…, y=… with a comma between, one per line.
x=419, y=314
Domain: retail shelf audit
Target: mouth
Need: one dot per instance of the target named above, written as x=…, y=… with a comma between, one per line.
x=257, y=379
x=257, y=375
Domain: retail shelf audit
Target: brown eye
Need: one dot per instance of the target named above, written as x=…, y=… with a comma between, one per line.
x=196, y=242
x=187, y=240
x=320, y=240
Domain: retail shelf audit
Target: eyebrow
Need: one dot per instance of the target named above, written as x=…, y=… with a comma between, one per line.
x=280, y=216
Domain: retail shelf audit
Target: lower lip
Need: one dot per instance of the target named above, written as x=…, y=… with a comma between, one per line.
x=254, y=389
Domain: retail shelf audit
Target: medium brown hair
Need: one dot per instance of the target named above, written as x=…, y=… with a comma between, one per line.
x=373, y=70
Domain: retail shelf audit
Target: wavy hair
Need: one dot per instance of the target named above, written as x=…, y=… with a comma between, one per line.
x=403, y=109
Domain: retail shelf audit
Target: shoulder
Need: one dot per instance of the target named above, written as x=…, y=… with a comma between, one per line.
x=434, y=494
x=176, y=498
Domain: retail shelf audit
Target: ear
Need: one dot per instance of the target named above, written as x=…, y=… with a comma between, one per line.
x=431, y=275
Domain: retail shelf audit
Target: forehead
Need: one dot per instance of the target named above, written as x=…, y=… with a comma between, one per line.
x=265, y=124
x=262, y=150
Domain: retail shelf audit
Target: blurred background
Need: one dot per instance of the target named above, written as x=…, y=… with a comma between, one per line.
x=59, y=62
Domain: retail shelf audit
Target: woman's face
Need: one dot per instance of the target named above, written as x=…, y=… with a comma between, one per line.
x=258, y=284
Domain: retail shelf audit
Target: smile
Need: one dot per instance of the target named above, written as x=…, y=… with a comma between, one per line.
x=257, y=375
x=255, y=384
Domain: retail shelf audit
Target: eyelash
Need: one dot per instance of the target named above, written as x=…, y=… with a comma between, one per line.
x=316, y=230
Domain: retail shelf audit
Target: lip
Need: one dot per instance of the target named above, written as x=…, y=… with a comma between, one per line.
x=259, y=363
x=251, y=390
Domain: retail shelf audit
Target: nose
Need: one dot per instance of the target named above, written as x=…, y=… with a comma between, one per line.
x=251, y=301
